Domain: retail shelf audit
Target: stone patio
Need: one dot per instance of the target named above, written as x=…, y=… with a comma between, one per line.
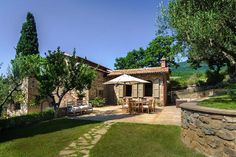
x=169, y=115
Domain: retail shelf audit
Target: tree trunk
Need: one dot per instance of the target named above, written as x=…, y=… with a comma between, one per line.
x=56, y=105
x=56, y=108
x=232, y=72
x=231, y=56
x=8, y=96
x=1, y=109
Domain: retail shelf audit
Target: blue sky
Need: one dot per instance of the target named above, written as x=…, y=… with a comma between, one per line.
x=101, y=30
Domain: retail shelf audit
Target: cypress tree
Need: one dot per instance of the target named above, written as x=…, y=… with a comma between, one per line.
x=28, y=43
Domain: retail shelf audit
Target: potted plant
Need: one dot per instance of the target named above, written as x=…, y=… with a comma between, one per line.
x=98, y=102
x=81, y=95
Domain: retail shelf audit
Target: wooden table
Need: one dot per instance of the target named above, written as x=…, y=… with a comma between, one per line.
x=136, y=104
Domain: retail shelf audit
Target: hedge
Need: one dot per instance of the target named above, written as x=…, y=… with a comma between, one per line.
x=23, y=120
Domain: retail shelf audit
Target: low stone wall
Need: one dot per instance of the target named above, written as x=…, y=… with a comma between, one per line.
x=210, y=131
x=191, y=95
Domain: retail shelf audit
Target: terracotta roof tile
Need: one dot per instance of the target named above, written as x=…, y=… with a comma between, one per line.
x=140, y=71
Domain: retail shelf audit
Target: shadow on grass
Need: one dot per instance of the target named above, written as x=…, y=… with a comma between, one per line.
x=219, y=99
x=42, y=128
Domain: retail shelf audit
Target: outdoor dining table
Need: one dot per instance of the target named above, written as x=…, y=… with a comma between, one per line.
x=138, y=104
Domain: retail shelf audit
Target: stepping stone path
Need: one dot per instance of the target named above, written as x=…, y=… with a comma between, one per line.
x=85, y=143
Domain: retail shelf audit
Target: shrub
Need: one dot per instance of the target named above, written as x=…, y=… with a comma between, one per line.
x=196, y=79
x=98, y=102
x=174, y=85
x=26, y=119
x=232, y=94
x=214, y=77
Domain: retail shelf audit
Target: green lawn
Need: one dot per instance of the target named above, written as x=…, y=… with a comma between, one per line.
x=140, y=140
x=44, y=139
x=221, y=102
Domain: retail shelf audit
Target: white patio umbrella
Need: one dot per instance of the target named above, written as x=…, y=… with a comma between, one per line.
x=125, y=79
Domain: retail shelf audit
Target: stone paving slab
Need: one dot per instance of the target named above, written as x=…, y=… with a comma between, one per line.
x=85, y=143
x=169, y=115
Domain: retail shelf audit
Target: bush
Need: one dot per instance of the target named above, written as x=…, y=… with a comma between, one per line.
x=174, y=85
x=26, y=119
x=98, y=102
x=196, y=79
x=214, y=77
x=232, y=94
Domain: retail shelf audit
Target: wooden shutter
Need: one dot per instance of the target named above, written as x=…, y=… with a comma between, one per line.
x=135, y=90
x=121, y=91
x=140, y=90
x=156, y=88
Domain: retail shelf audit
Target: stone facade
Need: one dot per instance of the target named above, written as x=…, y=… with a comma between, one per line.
x=210, y=131
x=97, y=90
x=159, y=89
x=30, y=90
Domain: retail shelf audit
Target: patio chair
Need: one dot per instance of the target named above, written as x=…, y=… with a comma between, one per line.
x=156, y=102
x=131, y=105
x=148, y=106
x=125, y=104
x=136, y=106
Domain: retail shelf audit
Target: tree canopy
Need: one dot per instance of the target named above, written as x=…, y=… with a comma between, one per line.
x=209, y=29
x=28, y=42
x=60, y=74
x=133, y=59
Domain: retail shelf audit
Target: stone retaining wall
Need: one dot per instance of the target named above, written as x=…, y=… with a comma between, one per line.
x=210, y=131
x=191, y=95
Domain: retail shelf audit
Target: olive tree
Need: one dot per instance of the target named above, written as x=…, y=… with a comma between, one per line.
x=60, y=73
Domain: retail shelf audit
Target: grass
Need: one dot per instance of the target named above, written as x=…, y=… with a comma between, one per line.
x=42, y=139
x=140, y=140
x=224, y=101
x=221, y=102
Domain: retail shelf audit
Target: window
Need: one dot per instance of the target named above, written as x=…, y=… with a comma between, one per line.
x=17, y=106
x=148, y=89
x=128, y=90
x=99, y=93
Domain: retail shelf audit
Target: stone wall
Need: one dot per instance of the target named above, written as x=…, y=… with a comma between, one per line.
x=194, y=94
x=97, y=87
x=11, y=112
x=210, y=131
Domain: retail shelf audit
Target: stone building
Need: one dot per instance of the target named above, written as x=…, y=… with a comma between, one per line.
x=156, y=89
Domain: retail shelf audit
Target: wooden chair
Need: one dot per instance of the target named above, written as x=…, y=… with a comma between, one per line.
x=131, y=105
x=124, y=103
x=136, y=106
x=147, y=106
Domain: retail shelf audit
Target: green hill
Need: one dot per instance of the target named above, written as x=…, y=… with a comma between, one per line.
x=185, y=69
x=185, y=75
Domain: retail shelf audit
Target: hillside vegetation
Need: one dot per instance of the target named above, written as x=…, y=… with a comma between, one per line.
x=186, y=75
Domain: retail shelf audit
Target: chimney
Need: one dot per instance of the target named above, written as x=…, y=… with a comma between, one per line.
x=163, y=62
